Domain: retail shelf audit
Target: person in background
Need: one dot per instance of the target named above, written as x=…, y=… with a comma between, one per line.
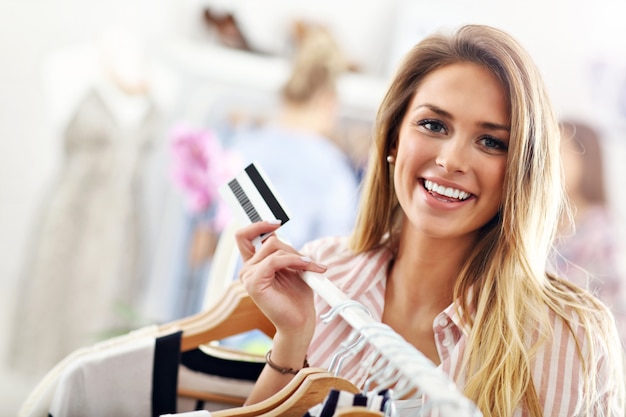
x=313, y=176
x=459, y=209
x=296, y=149
x=589, y=245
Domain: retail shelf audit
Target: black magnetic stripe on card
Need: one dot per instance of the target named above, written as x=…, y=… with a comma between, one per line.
x=267, y=194
x=244, y=201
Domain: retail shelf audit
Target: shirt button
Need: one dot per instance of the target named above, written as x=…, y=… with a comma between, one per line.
x=443, y=322
x=446, y=342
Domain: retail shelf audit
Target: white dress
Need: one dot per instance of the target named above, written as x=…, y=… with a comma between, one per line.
x=84, y=265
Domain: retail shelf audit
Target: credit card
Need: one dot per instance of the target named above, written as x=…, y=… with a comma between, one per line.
x=252, y=198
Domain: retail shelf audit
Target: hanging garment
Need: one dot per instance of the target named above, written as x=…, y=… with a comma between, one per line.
x=84, y=263
x=38, y=401
x=336, y=400
x=142, y=377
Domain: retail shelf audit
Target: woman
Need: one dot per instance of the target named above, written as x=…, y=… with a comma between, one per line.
x=459, y=209
x=295, y=147
x=296, y=151
x=589, y=248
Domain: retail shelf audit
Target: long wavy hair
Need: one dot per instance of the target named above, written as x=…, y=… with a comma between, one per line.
x=503, y=289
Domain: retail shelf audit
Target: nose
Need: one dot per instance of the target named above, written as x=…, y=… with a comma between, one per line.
x=453, y=155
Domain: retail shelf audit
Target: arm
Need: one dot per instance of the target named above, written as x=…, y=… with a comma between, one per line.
x=270, y=275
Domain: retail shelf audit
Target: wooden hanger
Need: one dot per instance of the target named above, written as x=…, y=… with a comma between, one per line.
x=313, y=390
x=272, y=402
x=308, y=388
x=356, y=411
x=226, y=299
x=234, y=314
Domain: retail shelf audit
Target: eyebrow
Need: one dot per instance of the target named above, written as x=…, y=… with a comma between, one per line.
x=443, y=113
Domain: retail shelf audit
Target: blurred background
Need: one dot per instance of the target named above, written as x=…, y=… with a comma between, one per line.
x=106, y=105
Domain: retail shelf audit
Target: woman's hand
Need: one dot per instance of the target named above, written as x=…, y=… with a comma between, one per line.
x=270, y=275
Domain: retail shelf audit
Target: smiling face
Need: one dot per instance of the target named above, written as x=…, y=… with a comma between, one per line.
x=452, y=151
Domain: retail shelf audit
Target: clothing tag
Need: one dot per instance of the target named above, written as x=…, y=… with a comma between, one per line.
x=252, y=198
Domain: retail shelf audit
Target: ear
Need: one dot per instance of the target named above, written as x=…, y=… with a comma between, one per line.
x=393, y=150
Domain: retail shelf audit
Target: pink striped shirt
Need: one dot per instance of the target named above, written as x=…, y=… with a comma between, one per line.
x=556, y=369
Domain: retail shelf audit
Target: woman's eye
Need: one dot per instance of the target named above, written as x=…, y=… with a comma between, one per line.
x=493, y=143
x=433, y=125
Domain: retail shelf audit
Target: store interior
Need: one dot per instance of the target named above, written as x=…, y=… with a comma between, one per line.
x=212, y=65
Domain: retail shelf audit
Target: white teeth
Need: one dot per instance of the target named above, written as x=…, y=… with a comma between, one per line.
x=447, y=191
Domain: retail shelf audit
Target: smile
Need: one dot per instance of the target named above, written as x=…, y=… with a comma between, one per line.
x=446, y=191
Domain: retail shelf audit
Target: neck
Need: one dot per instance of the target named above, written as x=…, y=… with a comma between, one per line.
x=426, y=269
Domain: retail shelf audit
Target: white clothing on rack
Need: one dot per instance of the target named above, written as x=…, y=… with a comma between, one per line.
x=40, y=398
x=138, y=374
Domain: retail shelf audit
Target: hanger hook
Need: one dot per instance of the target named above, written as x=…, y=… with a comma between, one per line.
x=336, y=309
x=383, y=372
x=346, y=346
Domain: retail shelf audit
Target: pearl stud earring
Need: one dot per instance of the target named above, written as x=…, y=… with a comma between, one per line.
x=391, y=159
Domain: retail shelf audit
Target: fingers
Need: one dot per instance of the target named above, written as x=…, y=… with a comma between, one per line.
x=267, y=267
x=287, y=256
x=270, y=246
x=270, y=275
x=261, y=264
x=275, y=255
x=245, y=236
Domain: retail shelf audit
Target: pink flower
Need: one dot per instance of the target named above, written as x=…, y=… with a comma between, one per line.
x=199, y=166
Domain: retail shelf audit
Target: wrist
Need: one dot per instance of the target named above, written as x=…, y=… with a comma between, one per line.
x=288, y=352
x=282, y=370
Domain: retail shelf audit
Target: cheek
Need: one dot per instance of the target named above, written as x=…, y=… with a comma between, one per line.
x=491, y=183
x=410, y=159
x=412, y=149
x=404, y=174
x=403, y=158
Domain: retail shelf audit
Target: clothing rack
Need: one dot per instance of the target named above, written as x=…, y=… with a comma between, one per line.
x=396, y=364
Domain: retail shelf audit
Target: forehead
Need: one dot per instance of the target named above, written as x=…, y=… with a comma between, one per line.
x=464, y=90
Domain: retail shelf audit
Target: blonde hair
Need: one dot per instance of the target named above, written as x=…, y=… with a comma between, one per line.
x=503, y=288
x=317, y=64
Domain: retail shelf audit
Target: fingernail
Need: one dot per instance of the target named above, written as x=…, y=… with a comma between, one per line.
x=274, y=221
x=306, y=259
